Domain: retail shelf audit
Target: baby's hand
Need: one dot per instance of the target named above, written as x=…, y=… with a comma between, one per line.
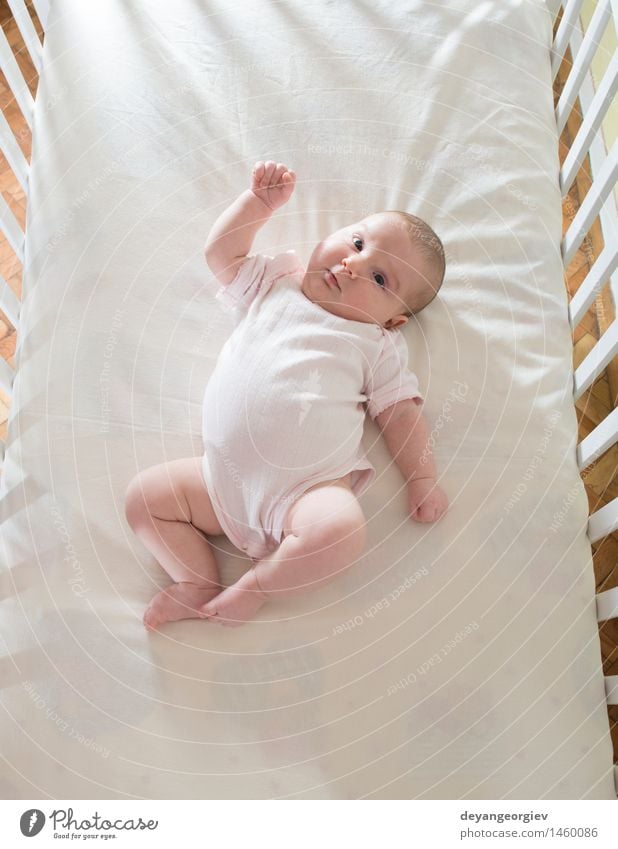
x=272, y=183
x=426, y=500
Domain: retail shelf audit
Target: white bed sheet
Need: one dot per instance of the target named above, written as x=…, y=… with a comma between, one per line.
x=456, y=660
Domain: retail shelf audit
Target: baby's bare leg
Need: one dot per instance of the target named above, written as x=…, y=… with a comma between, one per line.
x=169, y=508
x=325, y=533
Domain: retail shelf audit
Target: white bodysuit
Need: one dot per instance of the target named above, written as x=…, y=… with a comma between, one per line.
x=284, y=407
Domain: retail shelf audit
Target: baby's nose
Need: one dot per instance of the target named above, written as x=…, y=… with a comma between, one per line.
x=348, y=267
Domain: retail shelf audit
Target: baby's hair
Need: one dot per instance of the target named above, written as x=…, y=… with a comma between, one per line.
x=429, y=244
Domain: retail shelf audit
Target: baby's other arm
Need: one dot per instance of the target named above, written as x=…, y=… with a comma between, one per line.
x=405, y=432
x=232, y=234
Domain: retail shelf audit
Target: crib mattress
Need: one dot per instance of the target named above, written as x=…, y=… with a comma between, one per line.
x=459, y=660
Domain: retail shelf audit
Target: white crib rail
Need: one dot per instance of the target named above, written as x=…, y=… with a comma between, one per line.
x=9, y=303
x=42, y=11
x=28, y=32
x=598, y=204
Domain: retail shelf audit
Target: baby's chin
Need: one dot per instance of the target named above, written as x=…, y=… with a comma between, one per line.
x=315, y=288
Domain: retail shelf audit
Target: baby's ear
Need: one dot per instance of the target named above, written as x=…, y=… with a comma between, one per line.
x=396, y=321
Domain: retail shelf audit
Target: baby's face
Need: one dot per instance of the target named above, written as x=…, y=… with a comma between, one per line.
x=367, y=272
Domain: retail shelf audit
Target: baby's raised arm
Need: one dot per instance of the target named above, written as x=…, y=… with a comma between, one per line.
x=232, y=234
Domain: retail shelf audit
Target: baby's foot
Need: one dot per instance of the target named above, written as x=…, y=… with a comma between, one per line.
x=180, y=601
x=236, y=604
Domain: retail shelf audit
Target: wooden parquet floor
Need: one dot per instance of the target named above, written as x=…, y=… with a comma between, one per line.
x=600, y=480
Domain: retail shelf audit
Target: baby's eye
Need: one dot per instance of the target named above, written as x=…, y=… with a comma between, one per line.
x=356, y=239
x=378, y=278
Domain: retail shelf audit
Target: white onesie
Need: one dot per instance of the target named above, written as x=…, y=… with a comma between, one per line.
x=284, y=407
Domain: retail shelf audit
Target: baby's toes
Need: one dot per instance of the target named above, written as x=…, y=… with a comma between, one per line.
x=212, y=613
x=150, y=619
x=207, y=610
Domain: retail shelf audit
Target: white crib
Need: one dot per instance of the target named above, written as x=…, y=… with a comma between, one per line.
x=599, y=202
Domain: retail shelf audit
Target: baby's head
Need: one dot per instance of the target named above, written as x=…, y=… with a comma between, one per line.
x=381, y=270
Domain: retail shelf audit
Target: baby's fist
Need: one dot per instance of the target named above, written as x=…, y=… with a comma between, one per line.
x=273, y=183
x=426, y=500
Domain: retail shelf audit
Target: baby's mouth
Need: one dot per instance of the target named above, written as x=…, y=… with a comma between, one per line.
x=331, y=279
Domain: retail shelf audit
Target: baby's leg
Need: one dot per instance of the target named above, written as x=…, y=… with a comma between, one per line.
x=169, y=508
x=324, y=534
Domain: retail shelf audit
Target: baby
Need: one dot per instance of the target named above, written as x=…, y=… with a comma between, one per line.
x=283, y=466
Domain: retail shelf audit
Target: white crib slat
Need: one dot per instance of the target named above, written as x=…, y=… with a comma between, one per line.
x=12, y=151
x=597, y=152
x=552, y=7
x=42, y=11
x=592, y=121
x=9, y=303
x=569, y=19
x=14, y=77
x=596, y=443
x=592, y=203
x=594, y=281
x=11, y=229
x=597, y=359
x=6, y=377
x=604, y=521
x=28, y=32
x=611, y=689
x=607, y=604
x=582, y=62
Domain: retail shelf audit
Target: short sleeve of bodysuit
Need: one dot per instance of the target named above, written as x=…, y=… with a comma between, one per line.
x=254, y=278
x=390, y=379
